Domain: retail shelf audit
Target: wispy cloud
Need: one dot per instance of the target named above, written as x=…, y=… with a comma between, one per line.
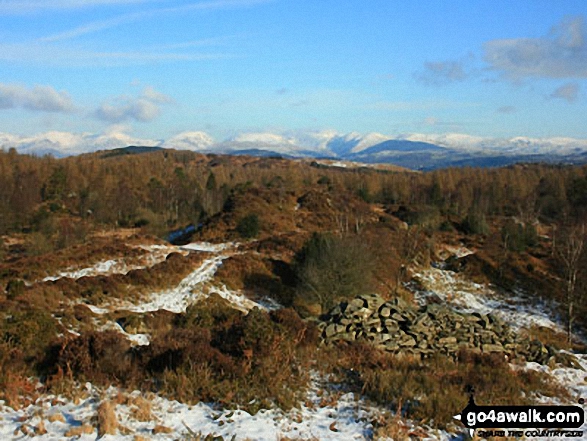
x=432, y=121
x=94, y=26
x=101, y=25
x=506, y=109
x=401, y=106
x=28, y=6
x=143, y=108
x=51, y=55
x=568, y=92
x=57, y=49
x=560, y=54
x=204, y=42
x=37, y=98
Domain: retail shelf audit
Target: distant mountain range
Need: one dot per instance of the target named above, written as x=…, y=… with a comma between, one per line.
x=415, y=151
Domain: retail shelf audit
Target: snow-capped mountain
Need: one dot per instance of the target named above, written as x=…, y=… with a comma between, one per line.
x=198, y=141
x=60, y=144
x=417, y=151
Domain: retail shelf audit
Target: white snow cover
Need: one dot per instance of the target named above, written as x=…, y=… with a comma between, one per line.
x=135, y=339
x=369, y=140
x=67, y=143
x=194, y=287
x=262, y=138
x=518, y=310
x=515, y=145
x=210, y=247
x=296, y=143
x=154, y=254
x=338, y=164
x=177, y=299
x=515, y=308
x=190, y=141
x=348, y=419
x=573, y=380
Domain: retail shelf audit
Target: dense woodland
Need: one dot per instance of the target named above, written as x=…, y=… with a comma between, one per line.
x=170, y=188
x=356, y=229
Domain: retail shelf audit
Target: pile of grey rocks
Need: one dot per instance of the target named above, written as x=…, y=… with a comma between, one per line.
x=400, y=328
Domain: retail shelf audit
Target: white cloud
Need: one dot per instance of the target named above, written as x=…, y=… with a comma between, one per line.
x=143, y=108
x=560, y=54
x=128, y=109
x=156, y=97
x=568, y=92
x=38, y=98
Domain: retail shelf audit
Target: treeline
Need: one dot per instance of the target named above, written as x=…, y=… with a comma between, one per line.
x=170, y=188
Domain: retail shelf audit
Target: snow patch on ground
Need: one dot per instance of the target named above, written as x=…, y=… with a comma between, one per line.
x=209, y=247
x=96, y=309
x=188, y=291
x=135, y=339
x=518, y=310
x=344, y=418
x=573, y=380
x=154, y=254
x=237, y=300
x=338, y=164
x=196, y=286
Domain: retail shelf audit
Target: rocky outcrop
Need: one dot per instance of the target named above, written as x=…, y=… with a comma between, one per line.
x=397, y=327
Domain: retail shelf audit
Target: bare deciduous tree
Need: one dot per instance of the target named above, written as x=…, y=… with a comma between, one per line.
x=332, y=268
x=570, y=252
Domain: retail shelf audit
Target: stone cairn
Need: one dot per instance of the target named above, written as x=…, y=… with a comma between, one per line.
x=397, y=327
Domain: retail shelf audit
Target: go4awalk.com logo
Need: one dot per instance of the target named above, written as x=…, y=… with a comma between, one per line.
x=518, y=421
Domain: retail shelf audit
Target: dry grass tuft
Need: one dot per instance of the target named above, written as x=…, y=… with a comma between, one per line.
x=161, y=429
x=85, y=429
x=107, y=421
x=40, y=429
x=389, y=426
x=552, y=337
x=142, y=409
x=24, y=429
x=56, y=417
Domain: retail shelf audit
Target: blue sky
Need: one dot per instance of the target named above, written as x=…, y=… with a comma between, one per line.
x=156, y=68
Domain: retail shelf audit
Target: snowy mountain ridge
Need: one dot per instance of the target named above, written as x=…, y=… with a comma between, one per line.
x=422, y=151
